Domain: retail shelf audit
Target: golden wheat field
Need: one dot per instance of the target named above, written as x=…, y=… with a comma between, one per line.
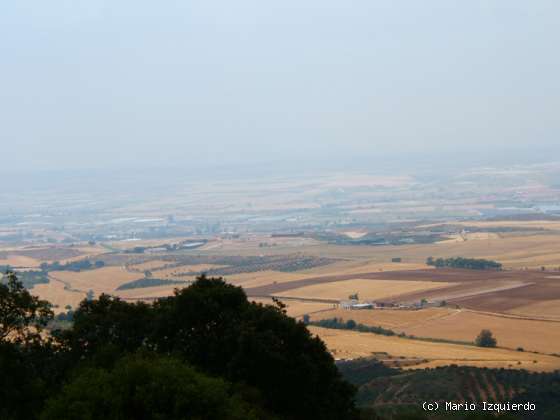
x=295, y=308
x=515, y=251
x=366, y=289
x=549, y=308
x=20, y=261
x=363, y=266
x=56, y=293
x=262, y=278
x=163, y=269
x=85, y=252
x=345, y=344
x=531, y=335
x=387, y=318
x=179, y=273
x=458, y=325
x=102, y=280
x=149, y=265
x=149, y=293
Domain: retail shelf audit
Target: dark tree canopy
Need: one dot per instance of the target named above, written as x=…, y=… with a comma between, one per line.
x=465, y=263
x=22, y=316
x=212, y=326
x=145, y=388
x=485, y=339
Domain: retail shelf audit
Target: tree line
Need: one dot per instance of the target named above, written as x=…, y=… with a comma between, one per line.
x=465, y=263
x=76, y=266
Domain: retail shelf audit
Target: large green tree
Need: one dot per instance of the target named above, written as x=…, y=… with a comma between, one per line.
x=22, y=316
x=147, y=388
x=213, y=326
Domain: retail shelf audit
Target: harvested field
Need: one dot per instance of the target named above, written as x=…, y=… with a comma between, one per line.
x=367, y=289
x=130, y=244
x=297, y=308
x=56, y=294
x=360, y=266
x=394, y=319
x=458, y=325
x=535, y=224
x=514, y=250
x=532, y=335
x=549, y=309
x=89, y=252
x=490, y=291
x=148, y=265
x=180, y=273
x=444, y=276
x=102, y=280
x=148, y=293
x=263, y=278
x=18, y=261
x=164, y=269
x=351, y=345
x=537, y=291
x=52, y=253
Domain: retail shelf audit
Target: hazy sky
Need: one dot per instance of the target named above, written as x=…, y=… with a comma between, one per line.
x=95, y=83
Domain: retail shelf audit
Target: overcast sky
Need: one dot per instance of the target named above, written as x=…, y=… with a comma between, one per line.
x=98, y=84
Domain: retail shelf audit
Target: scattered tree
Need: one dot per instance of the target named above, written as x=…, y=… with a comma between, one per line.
x=90, y=295
x=485, y=339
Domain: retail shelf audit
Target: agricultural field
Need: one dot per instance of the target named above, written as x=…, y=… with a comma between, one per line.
x=148, y=293
x=297, y=308
x=14, y=260
x=520, y=304
x=549, y=309
x=345, y=344
x=102, y=280
x=59, y=295
x=367, y=289
x=393, y=319
x=458, y=325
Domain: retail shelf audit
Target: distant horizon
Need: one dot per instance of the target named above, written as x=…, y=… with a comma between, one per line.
x=318, y=84
x=404, y=162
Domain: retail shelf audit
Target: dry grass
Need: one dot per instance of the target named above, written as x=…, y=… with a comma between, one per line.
x=296, y=309
x=459, y=325
x=150, y=265
x=532, y=335
x=147, y=243
x=350, y=345
x=366, y=289
x=56, y=294
x=263, y=278
x=549, y=308
x=86, y=252
x=149, y=292
x=513, y=250
x=20, y=261
x=102, y=280
x=363, y=266
x=173, y=273
x=387, y=318
x=536, y=224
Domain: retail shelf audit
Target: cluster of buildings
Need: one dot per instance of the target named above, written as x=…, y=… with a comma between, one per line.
x=355, y=304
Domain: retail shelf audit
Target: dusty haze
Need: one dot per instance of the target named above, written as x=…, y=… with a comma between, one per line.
x=103, y=85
